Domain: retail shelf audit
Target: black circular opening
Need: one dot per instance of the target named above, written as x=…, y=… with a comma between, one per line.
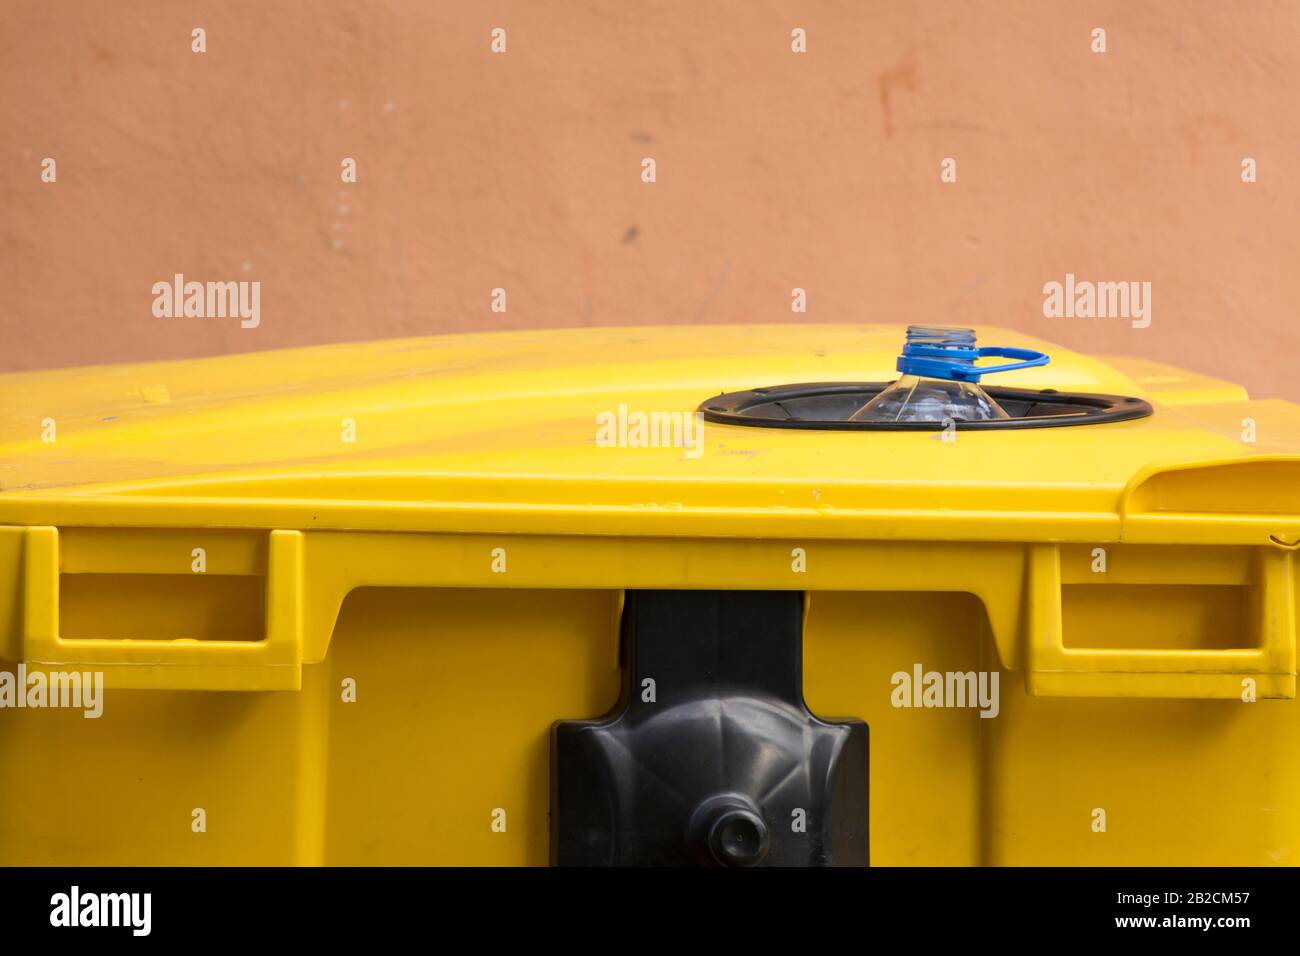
x=738, y=838
x=827, y=406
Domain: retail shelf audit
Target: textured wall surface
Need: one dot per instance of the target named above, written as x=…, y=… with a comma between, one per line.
x=775, y=170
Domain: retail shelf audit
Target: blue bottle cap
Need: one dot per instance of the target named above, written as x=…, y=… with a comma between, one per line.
x=935, y=352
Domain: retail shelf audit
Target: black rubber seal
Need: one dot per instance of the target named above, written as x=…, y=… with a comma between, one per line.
x=827, y=406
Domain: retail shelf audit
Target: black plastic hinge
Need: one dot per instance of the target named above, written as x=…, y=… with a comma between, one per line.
x=711, y=756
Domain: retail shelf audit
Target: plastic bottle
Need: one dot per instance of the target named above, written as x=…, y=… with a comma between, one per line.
x=940, y=381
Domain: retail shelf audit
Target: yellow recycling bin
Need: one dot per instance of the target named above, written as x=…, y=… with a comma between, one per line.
x=719, y=595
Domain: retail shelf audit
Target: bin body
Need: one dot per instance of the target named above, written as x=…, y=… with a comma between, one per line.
x=340, y=595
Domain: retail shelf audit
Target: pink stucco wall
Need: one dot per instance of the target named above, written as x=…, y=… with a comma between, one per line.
x=775, y=169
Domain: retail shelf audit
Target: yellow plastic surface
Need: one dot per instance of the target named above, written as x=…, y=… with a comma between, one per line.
x=435, y=520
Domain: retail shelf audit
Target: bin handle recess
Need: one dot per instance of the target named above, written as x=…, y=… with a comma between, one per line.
x=272, y=663
x=1054, y=670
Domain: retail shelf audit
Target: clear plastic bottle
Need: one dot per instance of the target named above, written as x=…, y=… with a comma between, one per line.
x=916, y=399
x=940, y=382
